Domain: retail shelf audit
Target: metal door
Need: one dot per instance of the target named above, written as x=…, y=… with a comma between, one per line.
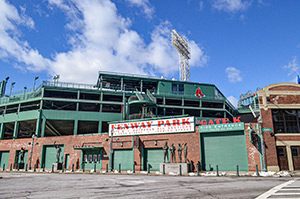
x=282, y=158
x=153, y=158
x=123, y=158
x=296, y=157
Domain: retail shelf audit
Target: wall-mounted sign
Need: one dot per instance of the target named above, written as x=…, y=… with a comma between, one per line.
x=199, y=93
x=218, y=121
x=267, y=130
x=161, y=126
x=222, y=127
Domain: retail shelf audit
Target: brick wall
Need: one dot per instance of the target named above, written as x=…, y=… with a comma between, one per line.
x=252, y=151
x=149, y=141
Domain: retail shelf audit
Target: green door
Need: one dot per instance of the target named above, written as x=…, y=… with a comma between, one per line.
x=123, y=157
x=49, y=154
x=67, y=160
x=4, y=155
x=92, y=158
x=153, y=158
x=225, y=149
x=18, y=157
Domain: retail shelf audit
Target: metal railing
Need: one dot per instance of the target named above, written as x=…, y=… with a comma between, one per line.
x=70, y=85
x=21, y=96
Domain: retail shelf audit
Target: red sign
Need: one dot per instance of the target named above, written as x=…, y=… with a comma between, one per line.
x=173, y=125
x=199, y=93
x=218, y=121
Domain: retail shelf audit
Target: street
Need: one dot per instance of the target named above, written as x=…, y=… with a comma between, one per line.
x=32, y=185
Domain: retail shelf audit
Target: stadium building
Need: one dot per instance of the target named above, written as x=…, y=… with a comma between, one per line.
x=122, y=122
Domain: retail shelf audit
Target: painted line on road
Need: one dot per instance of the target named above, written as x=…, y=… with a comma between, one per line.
x=285, y=194
x=274, y=189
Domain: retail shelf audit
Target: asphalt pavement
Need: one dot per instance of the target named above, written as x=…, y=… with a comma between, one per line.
x=35, y=185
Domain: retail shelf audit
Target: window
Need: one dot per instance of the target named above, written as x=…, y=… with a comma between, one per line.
x=286, y=121
x=294, y=151
x=280, y=151
x=178, y=89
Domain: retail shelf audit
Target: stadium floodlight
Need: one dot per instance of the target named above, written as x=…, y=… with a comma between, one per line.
x=182, y=47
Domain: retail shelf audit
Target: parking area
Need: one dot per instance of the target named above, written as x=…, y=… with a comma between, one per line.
x=35, y=185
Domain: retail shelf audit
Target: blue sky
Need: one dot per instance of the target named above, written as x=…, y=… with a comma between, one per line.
x=239, y=45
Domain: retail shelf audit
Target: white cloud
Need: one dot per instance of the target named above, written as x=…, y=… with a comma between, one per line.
x=11, y=45
x=233, y=100
x=233, y=74
x=292, y=67
x=100, y=39
x=231, y=6
x=145, y=5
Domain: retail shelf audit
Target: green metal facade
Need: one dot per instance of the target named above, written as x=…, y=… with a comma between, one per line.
x=153, y=158
x=55, y=101
x=17, y=158
x=92, y=159
x=123, y=158
x=225, y=149
x=49, y=156
x=4, y=155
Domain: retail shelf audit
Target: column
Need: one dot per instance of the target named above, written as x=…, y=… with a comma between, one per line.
x=38, y=125
x=43, y=127
x=122, y=84
x=75, y=127
x=100, y=127
x=77, y=103
x=182, y=105
x=16, y=129
x=289, y=157
x=1, y=130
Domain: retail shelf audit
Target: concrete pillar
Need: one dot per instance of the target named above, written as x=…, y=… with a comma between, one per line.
x=1, y=130
x=43, y=127
x=75, y=127
x=38, y=125
x=100, y=127
x=16, y=129
x=289, y=157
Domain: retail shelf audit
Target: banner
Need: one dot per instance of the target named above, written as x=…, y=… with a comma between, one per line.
x=161, y=126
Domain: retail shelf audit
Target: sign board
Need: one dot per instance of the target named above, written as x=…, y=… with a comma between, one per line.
x=200, y=121
x=160, y=126
x=267, y=130
x=222, y=127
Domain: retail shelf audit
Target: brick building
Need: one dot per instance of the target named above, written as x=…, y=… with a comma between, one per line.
x=280, y=123
x=75, y=119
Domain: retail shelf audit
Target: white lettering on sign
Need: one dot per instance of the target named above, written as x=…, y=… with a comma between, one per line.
x=172, y=125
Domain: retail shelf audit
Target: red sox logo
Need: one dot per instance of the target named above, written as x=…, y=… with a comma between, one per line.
x=199, y=93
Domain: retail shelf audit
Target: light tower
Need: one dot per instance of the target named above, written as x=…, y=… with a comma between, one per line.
x=183, y=50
